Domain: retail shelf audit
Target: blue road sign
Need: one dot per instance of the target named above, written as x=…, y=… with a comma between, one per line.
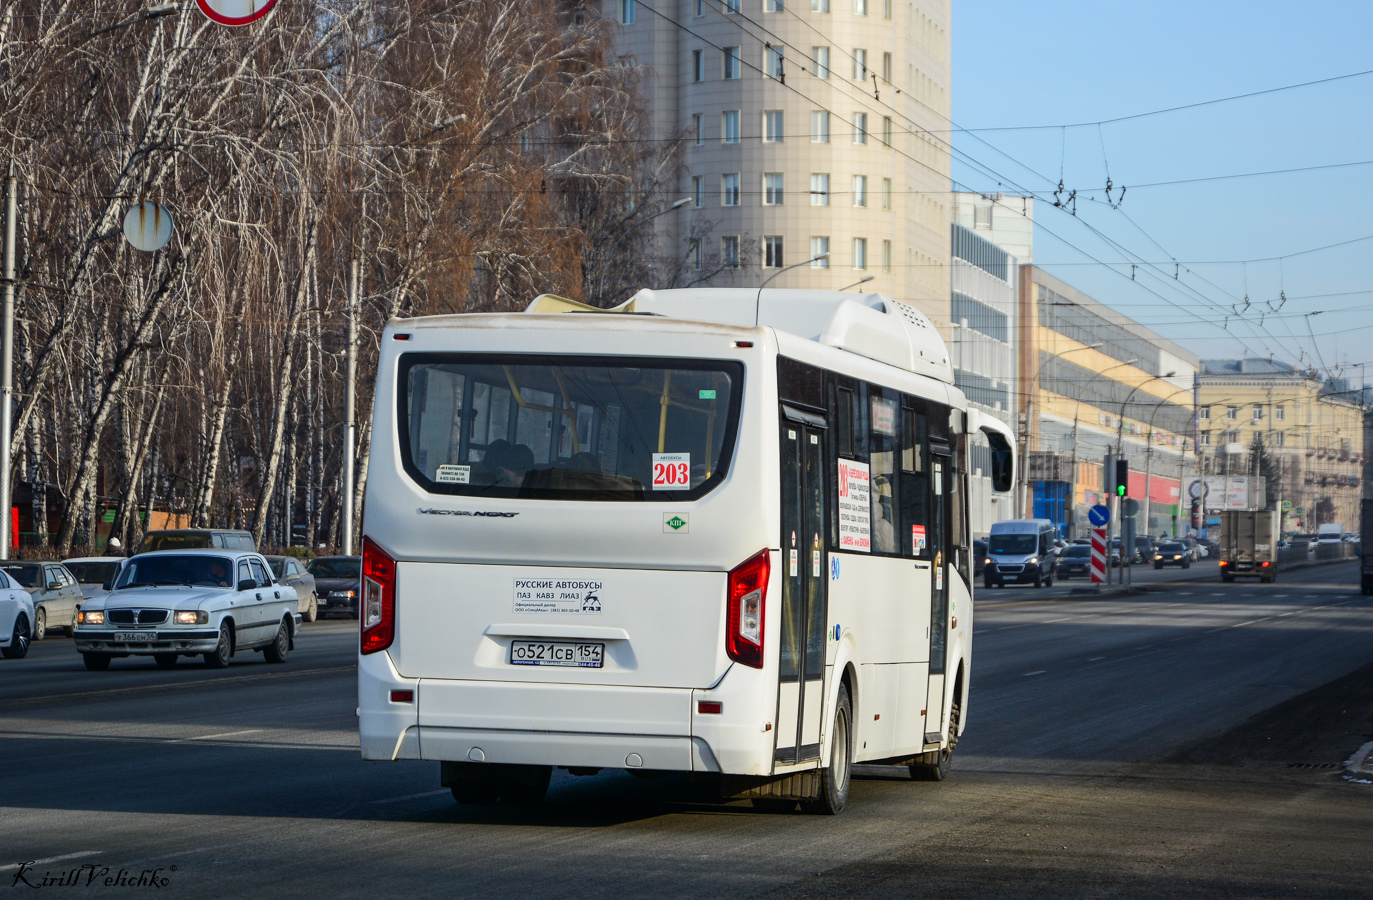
x=1099, y=515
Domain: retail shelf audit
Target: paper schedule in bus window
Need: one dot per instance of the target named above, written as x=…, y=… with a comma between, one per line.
x=855, y=511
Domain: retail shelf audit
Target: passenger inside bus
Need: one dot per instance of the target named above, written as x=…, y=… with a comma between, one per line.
x=506, y=463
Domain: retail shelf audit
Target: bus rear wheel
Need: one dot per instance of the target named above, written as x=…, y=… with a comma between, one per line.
x=834, y=778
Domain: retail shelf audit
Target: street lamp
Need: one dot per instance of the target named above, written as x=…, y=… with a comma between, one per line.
x=1077, y=419
x=864, y=280
x=757, y=301
x=600, y=286
x=1149, y=457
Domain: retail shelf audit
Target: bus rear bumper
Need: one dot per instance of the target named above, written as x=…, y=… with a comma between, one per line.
x=592, y=726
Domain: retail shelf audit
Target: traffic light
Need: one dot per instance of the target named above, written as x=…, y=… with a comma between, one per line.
x=1122, y=477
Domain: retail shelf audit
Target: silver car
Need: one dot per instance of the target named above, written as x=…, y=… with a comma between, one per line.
x=173, y=603
x=56, y=595
x=16, y=618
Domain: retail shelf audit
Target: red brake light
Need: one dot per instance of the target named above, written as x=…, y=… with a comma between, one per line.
x=1264, y=563
x=378, y=602
x=748, y=588
x=1224, y=563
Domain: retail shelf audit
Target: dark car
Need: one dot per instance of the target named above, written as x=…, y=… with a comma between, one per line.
x=1212, y=548
x=289, y=570
x=1076, y=560
x=196, y=539
x=1144, y=548
x=1193, y=548
x=979, y=557
x=1173, y=553
x=1130, y=560
x=338, y=583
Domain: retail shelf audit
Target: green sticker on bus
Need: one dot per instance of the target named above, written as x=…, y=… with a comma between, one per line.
x=707, y=395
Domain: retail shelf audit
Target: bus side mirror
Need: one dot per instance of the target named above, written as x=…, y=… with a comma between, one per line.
x=1003, y=462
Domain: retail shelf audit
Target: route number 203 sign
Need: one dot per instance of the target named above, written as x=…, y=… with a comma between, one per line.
x=235, y=12
x=671, y=471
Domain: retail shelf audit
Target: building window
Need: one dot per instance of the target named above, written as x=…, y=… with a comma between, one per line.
x=1279, y=438
x=773, y=59
x=886, y=193
x=772, y=126
x=860, y=128
x=773, y=6
x=1204, y=413
x=819, y=189
x=729, y=126
x=886, y=131
x=729, y=252
x=886, y=9
x=694, y=251
x=860, y=7
x=860, y=253
x=1205, y=438
x=700, y=8
x=772, y=251
x=820, y=6
x=731, y=6
x=1280, y=412
x=698, y=66
x=886, y=67
x=698, y=191
x=820, y=62
x=1232, y=436
x=1232, y=412
x=1258, y=412
x=819, y=127
x=819, y=247
x=698, y=128
x=627, y=12
x=860, y=65
x=860, y=190
x=772, y=188
x=729, y=189
x=731, y=63
x=886, y=256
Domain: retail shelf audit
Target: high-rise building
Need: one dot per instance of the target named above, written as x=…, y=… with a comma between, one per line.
x=812, y=128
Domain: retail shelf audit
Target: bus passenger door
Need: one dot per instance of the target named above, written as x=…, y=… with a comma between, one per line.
x=801, y=658
x=941, y=547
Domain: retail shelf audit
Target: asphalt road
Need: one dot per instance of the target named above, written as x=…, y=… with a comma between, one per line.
x=1071, y=781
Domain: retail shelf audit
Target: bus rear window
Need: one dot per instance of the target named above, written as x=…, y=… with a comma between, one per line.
x=567, y=428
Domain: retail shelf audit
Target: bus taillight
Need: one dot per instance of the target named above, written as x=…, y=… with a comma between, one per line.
x=748, y=586
x=378, y=598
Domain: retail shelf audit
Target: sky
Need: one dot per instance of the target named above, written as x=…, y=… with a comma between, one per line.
x=1056, y=62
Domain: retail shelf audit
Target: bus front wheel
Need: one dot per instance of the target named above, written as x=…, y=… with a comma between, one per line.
x=834, y=778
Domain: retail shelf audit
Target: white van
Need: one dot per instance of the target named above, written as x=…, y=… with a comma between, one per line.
x=1332, y=533
x=716, y=531
x=1022, y=551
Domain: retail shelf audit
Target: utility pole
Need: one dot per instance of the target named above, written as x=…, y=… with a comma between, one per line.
x=7, y=366
x=350, y=398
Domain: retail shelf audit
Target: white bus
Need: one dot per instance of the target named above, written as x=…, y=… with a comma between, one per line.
x=714, y=531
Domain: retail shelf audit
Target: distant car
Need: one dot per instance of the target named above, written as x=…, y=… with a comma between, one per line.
x=196, y=538
x=56, y=595
x=211, y=603
x=1193, y=548
x=16, y=618
x=1084, y=541
x=289, y=570
x=1134, y=554
x=93, y=572
x=1144, y=548
x=1211, y=547
x=979, y=557
x=1076, y=560
x=338, y=583
x=1173, y=553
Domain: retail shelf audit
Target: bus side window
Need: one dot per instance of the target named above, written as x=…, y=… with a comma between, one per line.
x=844, y=423
x=882, y=461
x=914, y=486
x=958, y=484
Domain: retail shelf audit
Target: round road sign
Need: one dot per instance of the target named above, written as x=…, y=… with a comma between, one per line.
x=148, y=226
x=1099, y=515
x=235, y=12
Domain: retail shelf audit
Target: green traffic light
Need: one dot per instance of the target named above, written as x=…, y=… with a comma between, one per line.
x=1120, y=490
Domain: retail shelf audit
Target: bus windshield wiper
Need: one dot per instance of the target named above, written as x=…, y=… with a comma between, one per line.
x=137, y=584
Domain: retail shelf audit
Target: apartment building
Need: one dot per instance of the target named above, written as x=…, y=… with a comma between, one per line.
x=811, y=129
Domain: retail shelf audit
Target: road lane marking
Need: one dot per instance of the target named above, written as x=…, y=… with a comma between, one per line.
x=412, y=797
x=50, y=859
x=1095, y=658
x=211, y=737
x=1037, y=672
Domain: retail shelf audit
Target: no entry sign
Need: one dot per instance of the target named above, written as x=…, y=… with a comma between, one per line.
x=235, y=12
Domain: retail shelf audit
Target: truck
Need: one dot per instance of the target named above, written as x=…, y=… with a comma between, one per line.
x=1365, y=535
x=1249, y=544
x=1330, y=533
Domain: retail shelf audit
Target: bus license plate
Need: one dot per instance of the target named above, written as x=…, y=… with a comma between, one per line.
x=134, y=637
x=557, y=653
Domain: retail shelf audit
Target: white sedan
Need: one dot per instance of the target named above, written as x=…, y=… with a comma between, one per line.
x=172, y=603
x=16, y=618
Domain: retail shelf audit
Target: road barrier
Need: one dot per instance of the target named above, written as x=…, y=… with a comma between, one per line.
x=1315, y=552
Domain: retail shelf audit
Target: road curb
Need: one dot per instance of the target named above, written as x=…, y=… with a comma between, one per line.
x=1358, y=767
